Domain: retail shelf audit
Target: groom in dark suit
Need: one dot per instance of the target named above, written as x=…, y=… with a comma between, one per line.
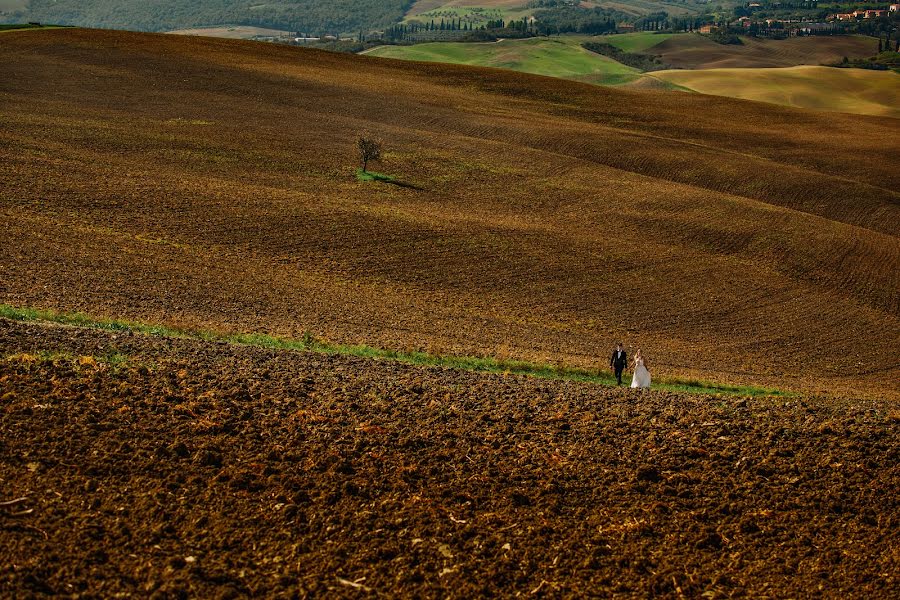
x=617, y=362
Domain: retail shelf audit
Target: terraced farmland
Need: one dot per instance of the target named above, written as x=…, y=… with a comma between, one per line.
x=210, y=184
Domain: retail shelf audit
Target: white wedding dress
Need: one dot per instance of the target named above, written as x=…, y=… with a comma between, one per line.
x=641, y=378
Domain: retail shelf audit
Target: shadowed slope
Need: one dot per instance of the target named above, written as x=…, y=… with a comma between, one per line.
x=210, y=182
x=695, y=51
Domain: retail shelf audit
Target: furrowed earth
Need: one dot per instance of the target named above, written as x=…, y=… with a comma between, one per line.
x=178, y=468
x=210, y=185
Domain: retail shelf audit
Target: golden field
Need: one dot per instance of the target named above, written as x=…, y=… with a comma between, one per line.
x=861, y=91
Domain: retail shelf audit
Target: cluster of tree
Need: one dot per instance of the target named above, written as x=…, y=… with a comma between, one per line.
x=688, y=23
x=883, y=61
x=575, y=19
x=746, y=9
x=725, y=37
x=313, y=16
x=468, y=31
x=658, y=21
x=549, y=3
x=642, y=62
x=888, y=44
x=562, y=17
x=878, y=26
x=401, y=30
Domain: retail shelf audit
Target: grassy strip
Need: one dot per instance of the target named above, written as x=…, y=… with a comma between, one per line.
x=311, y=344
x=371, y=176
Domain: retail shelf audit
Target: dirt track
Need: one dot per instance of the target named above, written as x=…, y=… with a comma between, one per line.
x=178, y=468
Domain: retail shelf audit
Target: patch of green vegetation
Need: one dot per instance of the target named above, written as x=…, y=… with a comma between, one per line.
x=636, y=42
x=725, y=38
x=82, y=320
x=372, y=176
x=560, y=56
x=887, y=60
x=642, y=62
x=115, y=360
x=309, y=343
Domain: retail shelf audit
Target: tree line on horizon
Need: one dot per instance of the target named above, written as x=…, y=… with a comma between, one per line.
x=312, y=16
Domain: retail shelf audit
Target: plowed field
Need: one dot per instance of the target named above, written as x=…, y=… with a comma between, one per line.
x=694, y=51
x=210, y=184
x=133, y=465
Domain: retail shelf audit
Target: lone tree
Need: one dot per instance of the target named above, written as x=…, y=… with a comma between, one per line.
x=369, y=149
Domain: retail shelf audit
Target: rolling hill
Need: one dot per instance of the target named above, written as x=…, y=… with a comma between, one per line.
x=818, y=88
x=210, y=184
x=553, y=57
x=695, y=51
x=845, y=90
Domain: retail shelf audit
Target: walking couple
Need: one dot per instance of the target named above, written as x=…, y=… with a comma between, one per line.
x=619, y=360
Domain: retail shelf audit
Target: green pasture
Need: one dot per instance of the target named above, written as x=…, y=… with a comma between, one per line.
x=638, y=43
x=554, y=57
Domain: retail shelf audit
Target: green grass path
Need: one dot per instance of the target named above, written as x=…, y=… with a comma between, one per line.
x=311, y=344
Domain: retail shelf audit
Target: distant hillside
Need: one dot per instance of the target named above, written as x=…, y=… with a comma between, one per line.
x=820, y=88
x=309, y=16
x=695, y=51
x=554, y=57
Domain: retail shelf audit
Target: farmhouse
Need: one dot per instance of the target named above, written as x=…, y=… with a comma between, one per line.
x=708, y=29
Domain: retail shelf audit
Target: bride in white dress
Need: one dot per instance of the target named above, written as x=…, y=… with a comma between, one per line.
x=641, y=378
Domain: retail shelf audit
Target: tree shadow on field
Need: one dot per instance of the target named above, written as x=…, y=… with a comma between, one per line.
x=381, y=177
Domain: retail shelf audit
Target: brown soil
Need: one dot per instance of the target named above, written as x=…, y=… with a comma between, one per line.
x=174, y=468
x=699, y=52
x=210, y=184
